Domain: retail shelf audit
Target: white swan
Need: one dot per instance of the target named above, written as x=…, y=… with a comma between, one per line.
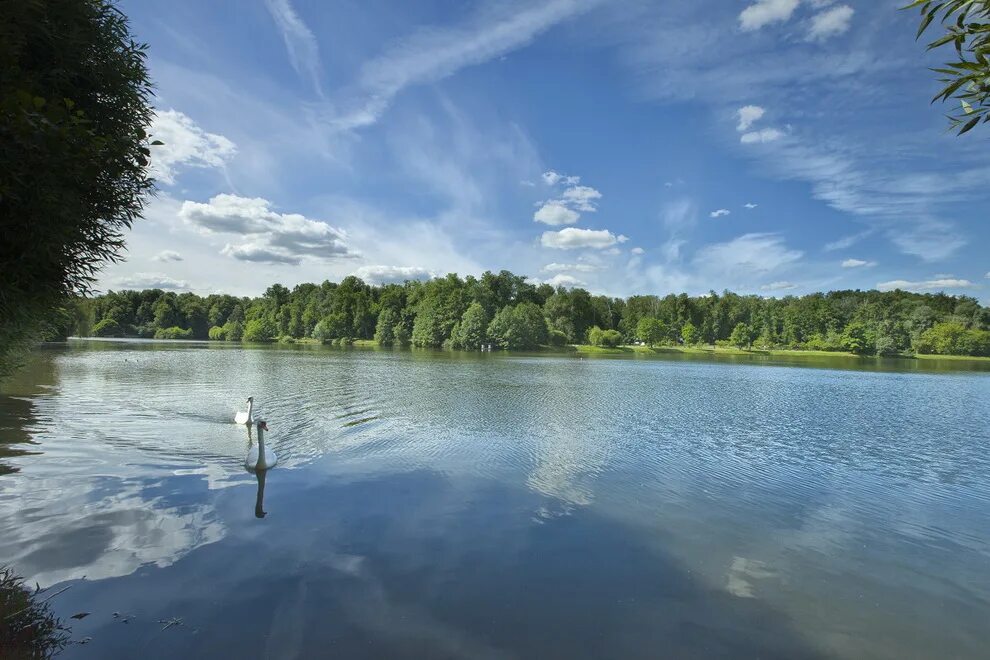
x=246, y=417
x=259, y=456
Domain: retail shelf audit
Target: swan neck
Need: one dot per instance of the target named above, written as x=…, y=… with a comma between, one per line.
x=250, y=409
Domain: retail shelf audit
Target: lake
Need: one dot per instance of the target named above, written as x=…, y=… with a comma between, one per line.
x=446, y=505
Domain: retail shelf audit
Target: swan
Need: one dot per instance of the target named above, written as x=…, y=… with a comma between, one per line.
x=246, y=417
x=259, y=456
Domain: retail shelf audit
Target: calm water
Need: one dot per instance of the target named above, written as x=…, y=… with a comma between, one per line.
x=438, y=505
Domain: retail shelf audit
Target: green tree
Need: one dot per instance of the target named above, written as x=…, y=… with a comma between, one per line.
x=690, y=335
x=218, y=333
x=233, y=330
x=858, y=339
x=74, y=111
x=967, y=79
x=651, y=331
x=385, y=329
x=742, y=336
x=472, y=331
x=521, y=327
x=259, y=331
x=107, y=328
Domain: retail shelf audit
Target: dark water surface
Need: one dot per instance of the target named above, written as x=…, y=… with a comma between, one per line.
x=474, y=506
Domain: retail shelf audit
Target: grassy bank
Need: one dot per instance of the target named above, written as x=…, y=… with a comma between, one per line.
x=701, y=350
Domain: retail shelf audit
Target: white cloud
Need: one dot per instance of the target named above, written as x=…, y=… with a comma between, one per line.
x=565, y=281
x=552, y=178
x=638, y=251
x=300, y=42
x=433, y=53
x=185, y=144
x=556, y=213
x=152, y=281
x=929, y=240
x=750, y=206
x=987, y=276
x=762, y=136
x=719, y=213
x=749, y=115
x=582, y=197
x=830, y=23
x=846, y=241
x=578, y=268
x=764, y=12
x=573, y=238
x=393, y=274
x=270, y=237
x=167, y=255
x=752, y=254
x=778, y=286
x=926, y=285
x=858, y=263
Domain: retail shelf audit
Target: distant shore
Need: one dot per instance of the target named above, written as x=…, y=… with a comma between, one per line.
x=586, y=350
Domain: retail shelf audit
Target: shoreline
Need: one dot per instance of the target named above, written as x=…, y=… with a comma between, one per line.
x=576, y=350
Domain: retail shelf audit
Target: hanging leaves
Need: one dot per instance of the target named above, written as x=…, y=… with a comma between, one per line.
x=967, y=26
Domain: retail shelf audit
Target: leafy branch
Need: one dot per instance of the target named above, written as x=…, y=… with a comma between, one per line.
x=967, y=25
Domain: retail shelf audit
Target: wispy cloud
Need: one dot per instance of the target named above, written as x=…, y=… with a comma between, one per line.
x=300, y=42
x=762, y=136
x=926, y=285
x=750, y=206
x=858, y=263
x=167, y=255
x=831, y=22
x=430, y=54
x=720, y=213
x=152, y=281
x=764, y=12
x=782, y=285
x=748, y=115
x=846, y=241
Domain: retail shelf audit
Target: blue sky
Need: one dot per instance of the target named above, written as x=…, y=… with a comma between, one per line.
x=764, y=146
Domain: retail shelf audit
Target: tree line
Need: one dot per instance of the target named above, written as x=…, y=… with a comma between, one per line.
x=506, y=311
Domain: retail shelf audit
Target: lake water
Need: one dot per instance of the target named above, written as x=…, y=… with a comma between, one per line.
x=490, y=506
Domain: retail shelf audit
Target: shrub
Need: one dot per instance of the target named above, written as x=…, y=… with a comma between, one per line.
x=259, y=331
x=107, y=328
x=174, y=332
x=218, y=333
x=233, y=330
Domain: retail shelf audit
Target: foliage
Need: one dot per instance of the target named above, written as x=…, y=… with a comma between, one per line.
x=174, y=332
x=519, y=328
x=385, y=327
x=233, y=330
x=218, y=333
x=28, y=628
x=74, y=109
x=967, y=26
x=604, y=338
x=953, y=339
x=472, y=331
x=259, y=331
x=107, y=328
x=742, y=336
x=456, y=314
x=651, y=331
x=689, y=333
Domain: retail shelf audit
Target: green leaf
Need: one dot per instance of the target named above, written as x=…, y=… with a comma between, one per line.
x=970, y=124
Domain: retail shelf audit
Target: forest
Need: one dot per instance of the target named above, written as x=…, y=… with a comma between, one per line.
x=505, y=311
